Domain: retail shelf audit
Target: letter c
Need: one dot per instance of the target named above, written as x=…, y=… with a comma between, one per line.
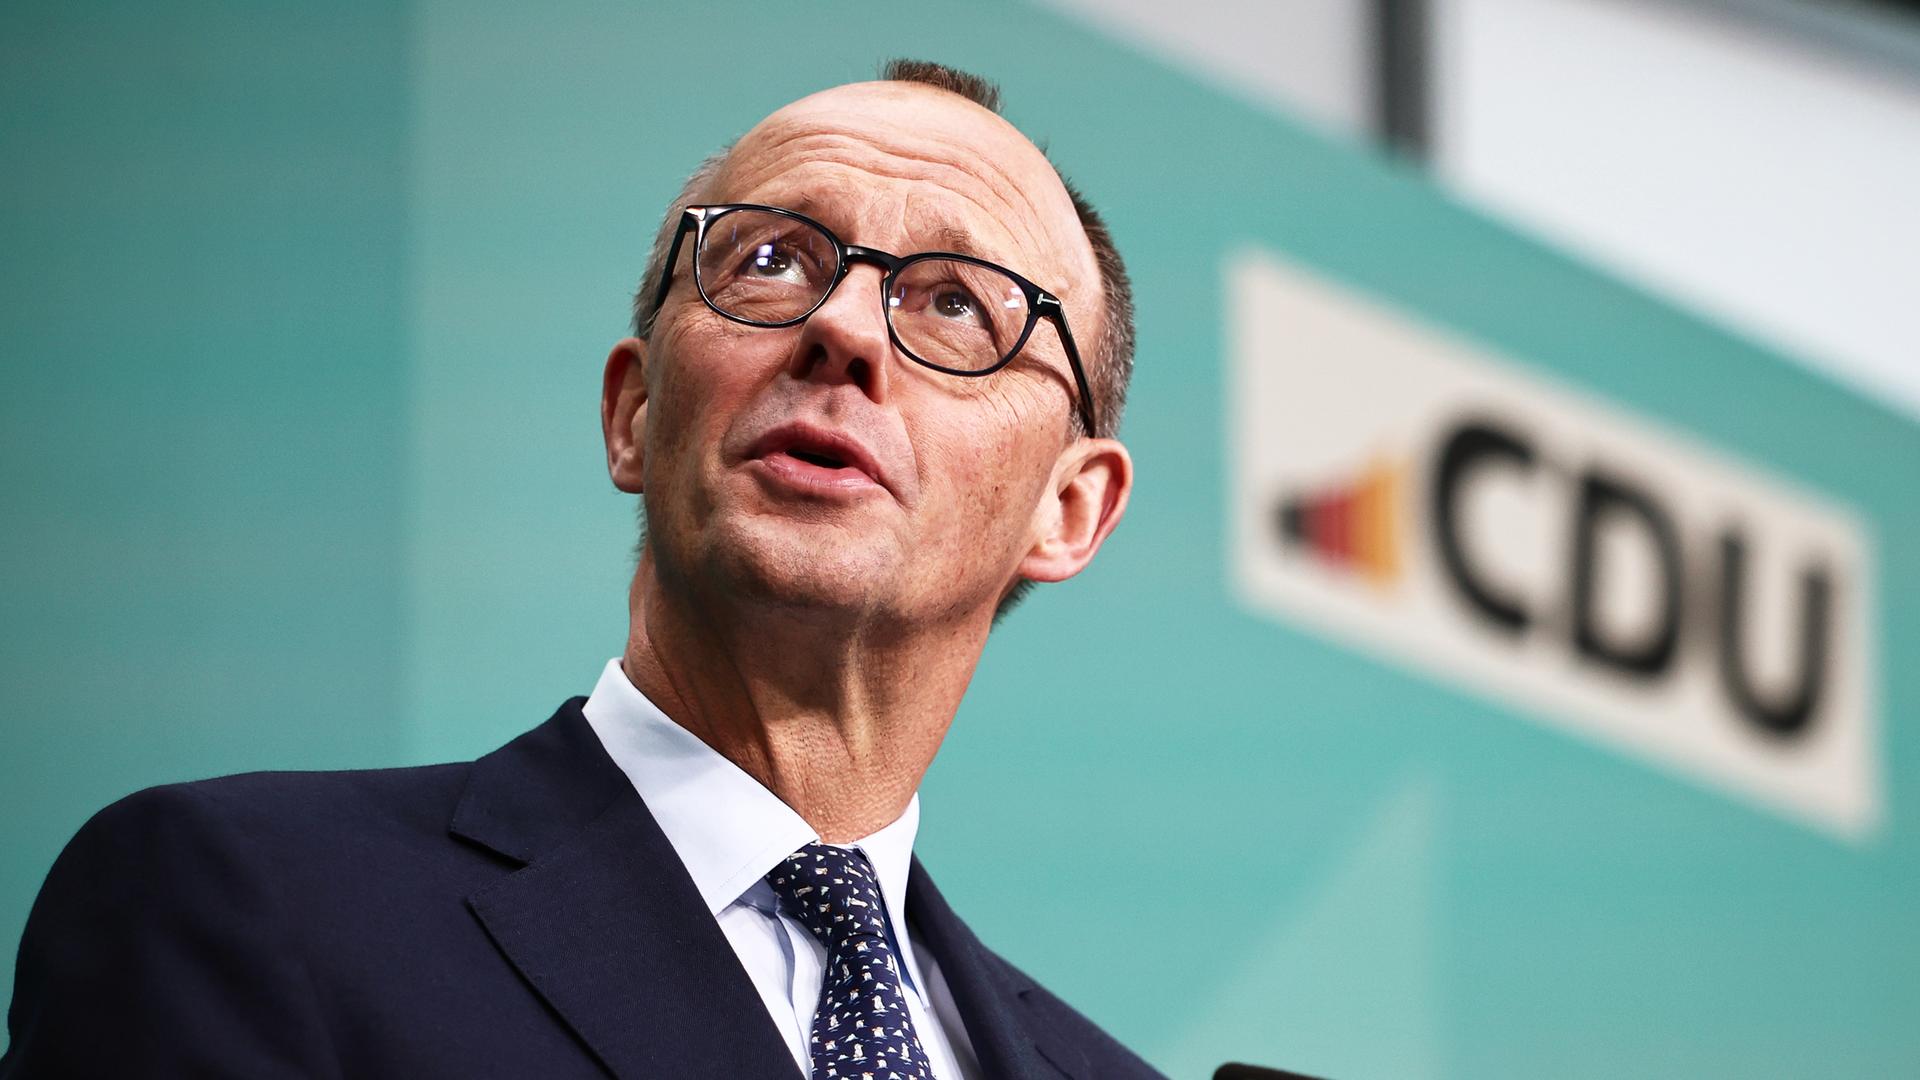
x=1474, y=445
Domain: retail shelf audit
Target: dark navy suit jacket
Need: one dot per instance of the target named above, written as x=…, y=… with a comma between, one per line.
x=517, y=916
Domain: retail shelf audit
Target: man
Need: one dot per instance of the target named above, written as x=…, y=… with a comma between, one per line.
x=852, y=454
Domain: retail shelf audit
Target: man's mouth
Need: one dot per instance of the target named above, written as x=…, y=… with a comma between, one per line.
x=825, y=461
x=817, y=459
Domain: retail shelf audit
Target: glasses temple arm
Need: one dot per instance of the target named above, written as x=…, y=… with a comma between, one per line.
x=687, y=221
x=1057, y=312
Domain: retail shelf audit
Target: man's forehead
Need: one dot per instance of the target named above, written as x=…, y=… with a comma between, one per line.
x=956, y=163
x=931, y=222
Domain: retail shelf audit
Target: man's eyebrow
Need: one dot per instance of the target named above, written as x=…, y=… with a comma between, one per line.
x=944, y=235
x=948, y=237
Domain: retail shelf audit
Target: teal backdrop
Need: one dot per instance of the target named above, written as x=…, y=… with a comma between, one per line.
x=304, y=312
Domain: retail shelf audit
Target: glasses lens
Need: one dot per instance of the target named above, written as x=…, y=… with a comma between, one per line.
x=957, y=315
x=765, y=268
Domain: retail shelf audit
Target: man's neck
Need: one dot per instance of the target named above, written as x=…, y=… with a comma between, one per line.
x=841, y=724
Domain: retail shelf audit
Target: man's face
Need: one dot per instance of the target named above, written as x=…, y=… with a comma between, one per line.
x=815, y=467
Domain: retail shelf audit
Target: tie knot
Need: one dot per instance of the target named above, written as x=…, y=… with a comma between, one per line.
x=831, y=891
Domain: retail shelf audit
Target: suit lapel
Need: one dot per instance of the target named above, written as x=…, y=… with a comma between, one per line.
x=602, y=919
x=1010, y=1037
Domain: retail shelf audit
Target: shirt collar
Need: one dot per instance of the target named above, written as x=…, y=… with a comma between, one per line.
x=726, y=827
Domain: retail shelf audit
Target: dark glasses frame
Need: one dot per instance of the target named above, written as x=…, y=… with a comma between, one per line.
x=1041, y=304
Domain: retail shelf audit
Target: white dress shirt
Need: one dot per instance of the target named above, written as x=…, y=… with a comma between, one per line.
x=729, y=831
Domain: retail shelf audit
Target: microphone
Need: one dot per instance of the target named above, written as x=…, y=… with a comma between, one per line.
x=1237, y=1071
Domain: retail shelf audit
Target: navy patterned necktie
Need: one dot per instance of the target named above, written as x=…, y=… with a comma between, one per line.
x=861, y=1028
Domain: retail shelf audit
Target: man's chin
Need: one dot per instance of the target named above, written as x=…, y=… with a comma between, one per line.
x=804, y=564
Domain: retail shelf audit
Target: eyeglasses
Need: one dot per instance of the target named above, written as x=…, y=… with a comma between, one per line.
x=764, y=266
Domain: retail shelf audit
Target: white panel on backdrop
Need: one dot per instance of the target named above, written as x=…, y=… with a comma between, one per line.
x=1310, y=58
x=1440, y=506
x=1766, y=181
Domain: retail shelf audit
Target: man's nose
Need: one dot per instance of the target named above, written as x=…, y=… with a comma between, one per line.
x=846, y=338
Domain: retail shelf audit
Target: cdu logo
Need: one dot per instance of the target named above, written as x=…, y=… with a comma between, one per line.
x=1442, y=507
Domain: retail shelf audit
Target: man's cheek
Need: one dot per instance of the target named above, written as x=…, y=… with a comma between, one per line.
x=978, y=519
x=683, y=414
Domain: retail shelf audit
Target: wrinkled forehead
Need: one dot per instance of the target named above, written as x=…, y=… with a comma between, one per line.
x=926, y=167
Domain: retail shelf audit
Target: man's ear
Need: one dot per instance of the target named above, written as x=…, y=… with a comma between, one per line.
x=1091, y=484
x=623, y=414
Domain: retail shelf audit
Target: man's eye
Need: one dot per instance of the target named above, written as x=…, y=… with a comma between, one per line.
x=955, y=303
x=772, y=261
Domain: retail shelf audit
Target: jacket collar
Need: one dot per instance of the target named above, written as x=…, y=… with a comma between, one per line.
x=602, y=920
x=600, y=917
x=1010, y=1035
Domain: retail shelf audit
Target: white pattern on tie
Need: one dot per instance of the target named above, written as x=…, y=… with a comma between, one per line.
x=850, y=924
